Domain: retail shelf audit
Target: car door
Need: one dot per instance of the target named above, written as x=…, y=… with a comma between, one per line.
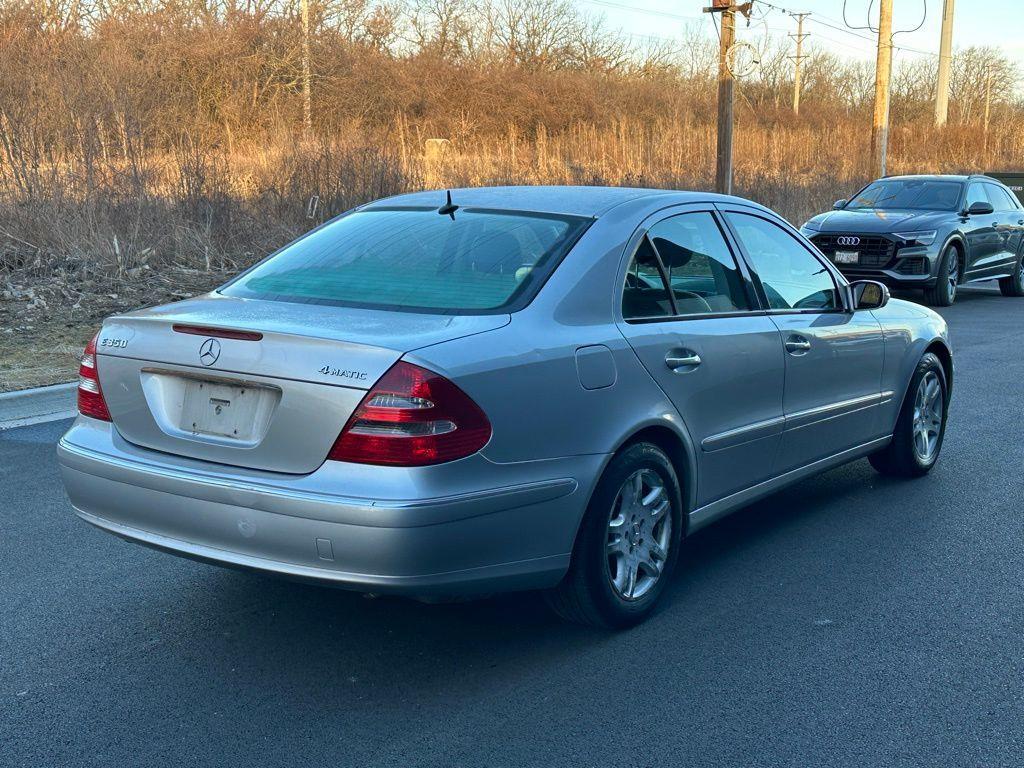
x=1008, y=223
x=984, y=242
x=833, y=356
x=708, y=344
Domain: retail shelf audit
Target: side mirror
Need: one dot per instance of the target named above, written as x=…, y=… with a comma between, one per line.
x=980, y=209
x=839, y=204
x=869, y=294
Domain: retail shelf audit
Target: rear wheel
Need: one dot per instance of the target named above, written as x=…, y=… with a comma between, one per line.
x=917, y=439
x=943, y=293
x=1014, y=285
x=627, y=545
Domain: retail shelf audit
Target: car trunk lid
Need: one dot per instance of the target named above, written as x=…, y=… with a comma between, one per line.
x=260, y=384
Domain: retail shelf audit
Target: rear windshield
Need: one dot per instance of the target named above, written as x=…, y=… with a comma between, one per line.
x=916, y=194
x=416, y=259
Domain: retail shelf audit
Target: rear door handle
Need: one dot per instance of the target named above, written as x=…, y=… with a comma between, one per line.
x=682, y=358
x=797, y=345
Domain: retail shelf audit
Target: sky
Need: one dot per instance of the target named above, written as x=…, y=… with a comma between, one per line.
x=972, y=23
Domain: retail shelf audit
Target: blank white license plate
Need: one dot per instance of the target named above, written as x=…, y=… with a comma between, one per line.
x=847, y=257
x=224, y=410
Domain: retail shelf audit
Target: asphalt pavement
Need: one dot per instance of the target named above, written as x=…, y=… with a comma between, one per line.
x=851, y=620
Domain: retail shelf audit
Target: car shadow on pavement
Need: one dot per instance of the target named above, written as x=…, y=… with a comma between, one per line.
x=294, y=631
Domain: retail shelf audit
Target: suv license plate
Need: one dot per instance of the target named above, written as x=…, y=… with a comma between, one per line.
x=847, y=257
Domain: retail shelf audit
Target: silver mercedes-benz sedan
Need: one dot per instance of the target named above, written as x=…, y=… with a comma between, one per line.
x=451, y=394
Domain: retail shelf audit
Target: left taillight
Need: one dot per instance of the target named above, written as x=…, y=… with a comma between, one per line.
x=90, y=396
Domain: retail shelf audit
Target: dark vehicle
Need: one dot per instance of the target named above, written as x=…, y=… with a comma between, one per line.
x=930, y=232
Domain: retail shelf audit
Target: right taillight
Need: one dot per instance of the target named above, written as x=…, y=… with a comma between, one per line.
x=90, y=396
x=412, y=417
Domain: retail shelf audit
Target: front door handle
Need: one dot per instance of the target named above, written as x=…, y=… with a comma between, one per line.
x=681, y=359
x=797, y=345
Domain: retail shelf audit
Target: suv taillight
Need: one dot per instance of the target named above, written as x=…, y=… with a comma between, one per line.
x=410, y=418
x=90, y=396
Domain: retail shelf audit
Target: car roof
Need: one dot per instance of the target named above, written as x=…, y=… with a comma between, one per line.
x=944, y=177
x=570, y=200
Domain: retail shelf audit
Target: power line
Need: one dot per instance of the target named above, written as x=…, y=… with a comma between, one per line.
x=824, y=21
x=638, y=9
x=924, y=18
x=851, y=30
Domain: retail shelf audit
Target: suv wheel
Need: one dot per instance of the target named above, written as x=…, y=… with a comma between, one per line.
x=943, y=294
x=921, y=425
x=1014, y=285
x=628, y=542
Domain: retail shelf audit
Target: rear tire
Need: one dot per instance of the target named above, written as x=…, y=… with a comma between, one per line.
x=943, y=293
x=925, y=407
x=1014, y=285
x=610, y=545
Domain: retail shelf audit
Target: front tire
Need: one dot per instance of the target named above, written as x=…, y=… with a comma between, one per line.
x=627, y=545
x=1014, y=285
x=921, y=426
x=943, y=293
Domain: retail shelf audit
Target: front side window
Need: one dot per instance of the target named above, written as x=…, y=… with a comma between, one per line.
x=975, y=194
x=791, y=276
x=701, y=270
x=416, y=259
x=913, y=194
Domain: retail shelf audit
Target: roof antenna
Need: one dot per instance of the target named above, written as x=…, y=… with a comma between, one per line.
x=449, y=208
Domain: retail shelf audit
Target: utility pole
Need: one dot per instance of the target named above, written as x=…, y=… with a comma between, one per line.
x=726, y=83
x=883, y=76
x=798, y=59
x=988, y=102
x=945, y=59
x=726, y=88
x=307, y=99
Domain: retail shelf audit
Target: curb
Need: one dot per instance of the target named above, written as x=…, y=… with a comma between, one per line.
x=38, y=405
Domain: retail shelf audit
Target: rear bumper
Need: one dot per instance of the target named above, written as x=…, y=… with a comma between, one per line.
x=516, y=535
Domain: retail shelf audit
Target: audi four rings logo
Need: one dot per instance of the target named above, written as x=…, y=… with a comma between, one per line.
x=209, y=352
x=848, y=240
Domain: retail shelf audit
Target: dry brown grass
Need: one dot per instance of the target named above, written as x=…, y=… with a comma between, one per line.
x=92, y=240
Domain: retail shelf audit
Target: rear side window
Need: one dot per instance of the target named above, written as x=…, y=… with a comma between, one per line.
x=1001, y=199
x=792, y=277
x=416, y=259
x=645, y=294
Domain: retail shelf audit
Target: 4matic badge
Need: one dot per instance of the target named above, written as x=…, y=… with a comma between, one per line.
x=342, y=373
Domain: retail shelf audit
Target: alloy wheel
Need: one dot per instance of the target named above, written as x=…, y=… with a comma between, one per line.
x=928, y=413
x=639, y=534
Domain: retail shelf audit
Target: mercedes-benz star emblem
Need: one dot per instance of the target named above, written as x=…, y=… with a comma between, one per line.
x=209, y=352
x=848, y=240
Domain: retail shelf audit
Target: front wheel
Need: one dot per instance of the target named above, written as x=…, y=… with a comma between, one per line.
x=1014, y=285
x=921, y=425
x=627, y=545
x=943, y=293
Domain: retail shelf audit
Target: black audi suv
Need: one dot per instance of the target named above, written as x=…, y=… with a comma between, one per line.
x=930, y=232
